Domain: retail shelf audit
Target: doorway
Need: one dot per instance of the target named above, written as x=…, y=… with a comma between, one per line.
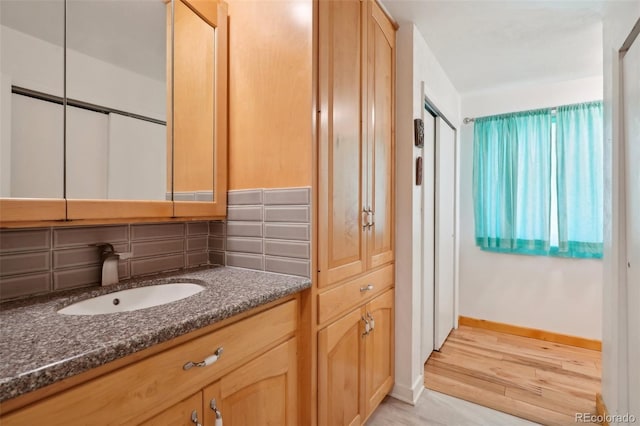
x=438, y=229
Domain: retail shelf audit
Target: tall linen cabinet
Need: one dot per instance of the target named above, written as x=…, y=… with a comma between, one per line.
x=356, y=142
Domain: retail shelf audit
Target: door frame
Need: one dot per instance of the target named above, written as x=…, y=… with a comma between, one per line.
x=428, y=313
x=629, y=315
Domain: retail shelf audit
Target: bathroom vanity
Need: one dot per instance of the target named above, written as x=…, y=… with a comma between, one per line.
x=208, y=356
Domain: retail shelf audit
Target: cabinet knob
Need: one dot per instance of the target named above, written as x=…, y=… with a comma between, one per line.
x=207, y=361
x=367, y=288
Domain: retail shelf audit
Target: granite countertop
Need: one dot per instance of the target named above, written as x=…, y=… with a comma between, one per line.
x=38, y=346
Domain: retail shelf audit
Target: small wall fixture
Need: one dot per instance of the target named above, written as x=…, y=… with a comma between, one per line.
x=418, y=132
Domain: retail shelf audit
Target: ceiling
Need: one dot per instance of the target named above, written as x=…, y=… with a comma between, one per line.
x=487, y=44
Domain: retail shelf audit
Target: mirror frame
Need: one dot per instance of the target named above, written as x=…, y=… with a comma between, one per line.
x=214, y=12
x=17, y=212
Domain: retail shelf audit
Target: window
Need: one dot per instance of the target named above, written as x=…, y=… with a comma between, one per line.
x=537, y=182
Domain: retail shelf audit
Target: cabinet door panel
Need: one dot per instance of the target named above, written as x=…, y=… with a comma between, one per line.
x=380, y=54
x=262, y=392
x=339, y=372
x=379, y=351
x=179, y=414
x=341, y=149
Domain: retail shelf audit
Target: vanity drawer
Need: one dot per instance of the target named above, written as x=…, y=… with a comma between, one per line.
x=342, y=298
x=136, y=392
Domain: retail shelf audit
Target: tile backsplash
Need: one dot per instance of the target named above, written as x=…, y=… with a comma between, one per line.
x=42, y=260
x=266, y=229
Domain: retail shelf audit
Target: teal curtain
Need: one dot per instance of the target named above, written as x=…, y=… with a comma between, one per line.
x=579, y=145
x=512, y=182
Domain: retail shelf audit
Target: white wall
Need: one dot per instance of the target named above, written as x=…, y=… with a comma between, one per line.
x=618, y=21
x=553, y=294
x=415, y=64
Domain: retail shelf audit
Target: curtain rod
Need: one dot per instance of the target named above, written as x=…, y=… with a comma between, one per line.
x=468, y=120
x=554, y=109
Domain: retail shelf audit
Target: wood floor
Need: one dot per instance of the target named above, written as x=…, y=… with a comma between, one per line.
x=544, y=382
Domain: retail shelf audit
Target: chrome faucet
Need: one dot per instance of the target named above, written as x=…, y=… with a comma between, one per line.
x=109, y=259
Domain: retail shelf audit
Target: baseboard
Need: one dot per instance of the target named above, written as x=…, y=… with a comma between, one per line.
x=406, y=394
x=601, y=410
x=534, y=333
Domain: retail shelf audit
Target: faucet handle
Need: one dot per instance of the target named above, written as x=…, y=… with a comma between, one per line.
x=106, y=249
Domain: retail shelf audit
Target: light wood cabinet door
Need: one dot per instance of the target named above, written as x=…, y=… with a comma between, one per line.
x=340, y=371
x=342, y=156
x=180, y=414
x=380, y=135
x=379, y=351
x=262, y=392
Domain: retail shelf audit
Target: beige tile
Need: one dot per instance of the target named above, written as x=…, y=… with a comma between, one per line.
x=154, y=248
x=197, y=259
x=287, y=214
x=68, y=237
x=283, y=265
x=157, y=264
x=82, y=256
x=284, y=248
x=24, y=240
x=216, y=257
x=287, y=196
x=77, y=277
x=244, y=197
x=216, y=243
x=157, y=231
x=217, y=228
x=197, y=243
x=197, y=228
x=244, y=213
x=25, y=285
x=244, y=229
x=23, y=263
x=244, y=245
x=288, y=231
x=249, y=261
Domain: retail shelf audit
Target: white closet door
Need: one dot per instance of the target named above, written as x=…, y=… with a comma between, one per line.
x=631, y=105
x=445, y=232
x=428, y=234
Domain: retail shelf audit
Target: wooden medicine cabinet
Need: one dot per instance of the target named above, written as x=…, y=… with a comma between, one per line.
x=115, y=110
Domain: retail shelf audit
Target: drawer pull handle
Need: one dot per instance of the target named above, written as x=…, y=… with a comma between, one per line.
x=367, y=288
x=367, y=327
x=207, y=361
x=372, y=322
x=217, y=412
x=194, y=418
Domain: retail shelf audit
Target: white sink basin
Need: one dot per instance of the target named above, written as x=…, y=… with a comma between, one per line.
x=133, y=299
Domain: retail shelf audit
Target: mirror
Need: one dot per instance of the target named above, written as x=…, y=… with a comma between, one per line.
x=131, y=109
x=116, y=71
x=193, y=102
x=31, y=98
